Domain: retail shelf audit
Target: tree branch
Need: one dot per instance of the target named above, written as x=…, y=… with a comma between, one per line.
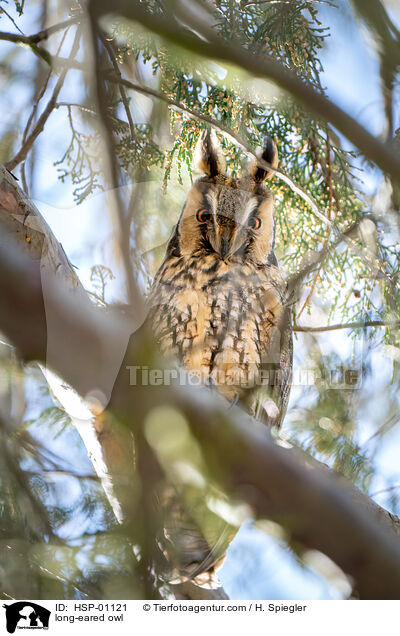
x=33, y=40
x=111, y=54
x=18, y=38
x=349, y=325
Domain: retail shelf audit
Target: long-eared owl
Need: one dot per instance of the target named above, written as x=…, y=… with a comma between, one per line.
x=217, y=303
x=217, y=308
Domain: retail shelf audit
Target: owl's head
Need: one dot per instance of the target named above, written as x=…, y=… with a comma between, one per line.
x=231, y=217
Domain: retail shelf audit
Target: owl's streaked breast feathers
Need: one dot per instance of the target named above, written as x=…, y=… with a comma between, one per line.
x=217, y=303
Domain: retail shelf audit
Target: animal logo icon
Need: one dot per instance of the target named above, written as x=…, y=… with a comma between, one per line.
x=26, y=615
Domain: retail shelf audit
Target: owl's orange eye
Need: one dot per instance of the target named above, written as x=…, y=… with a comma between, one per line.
x=203, y=215
x=254, y=222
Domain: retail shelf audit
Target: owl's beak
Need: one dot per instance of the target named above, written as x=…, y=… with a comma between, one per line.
x=225, y=241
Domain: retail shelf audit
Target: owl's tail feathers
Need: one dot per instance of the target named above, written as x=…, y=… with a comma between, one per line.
x=269, y=401
x=269, y=404
x=194, y=546
x=194, y=574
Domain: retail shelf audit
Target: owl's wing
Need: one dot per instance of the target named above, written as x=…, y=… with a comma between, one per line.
x=268, y=400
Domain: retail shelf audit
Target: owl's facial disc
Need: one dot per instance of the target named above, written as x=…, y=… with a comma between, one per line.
x=227, y=217
x=235, y=220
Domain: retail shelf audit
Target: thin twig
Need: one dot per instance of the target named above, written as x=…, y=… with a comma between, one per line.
x=330, y=194
x=45, y=33
x=84, y=109
x=349, y=325
x=380, y=492
x=10, y=18
x=111, y=54
x=310, y=293
x=42, y=91
x=64, y=473
x=257, y=3
x=22, y=153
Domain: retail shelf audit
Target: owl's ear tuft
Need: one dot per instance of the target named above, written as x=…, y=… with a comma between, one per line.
x=209, y=157
x=269, y=153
